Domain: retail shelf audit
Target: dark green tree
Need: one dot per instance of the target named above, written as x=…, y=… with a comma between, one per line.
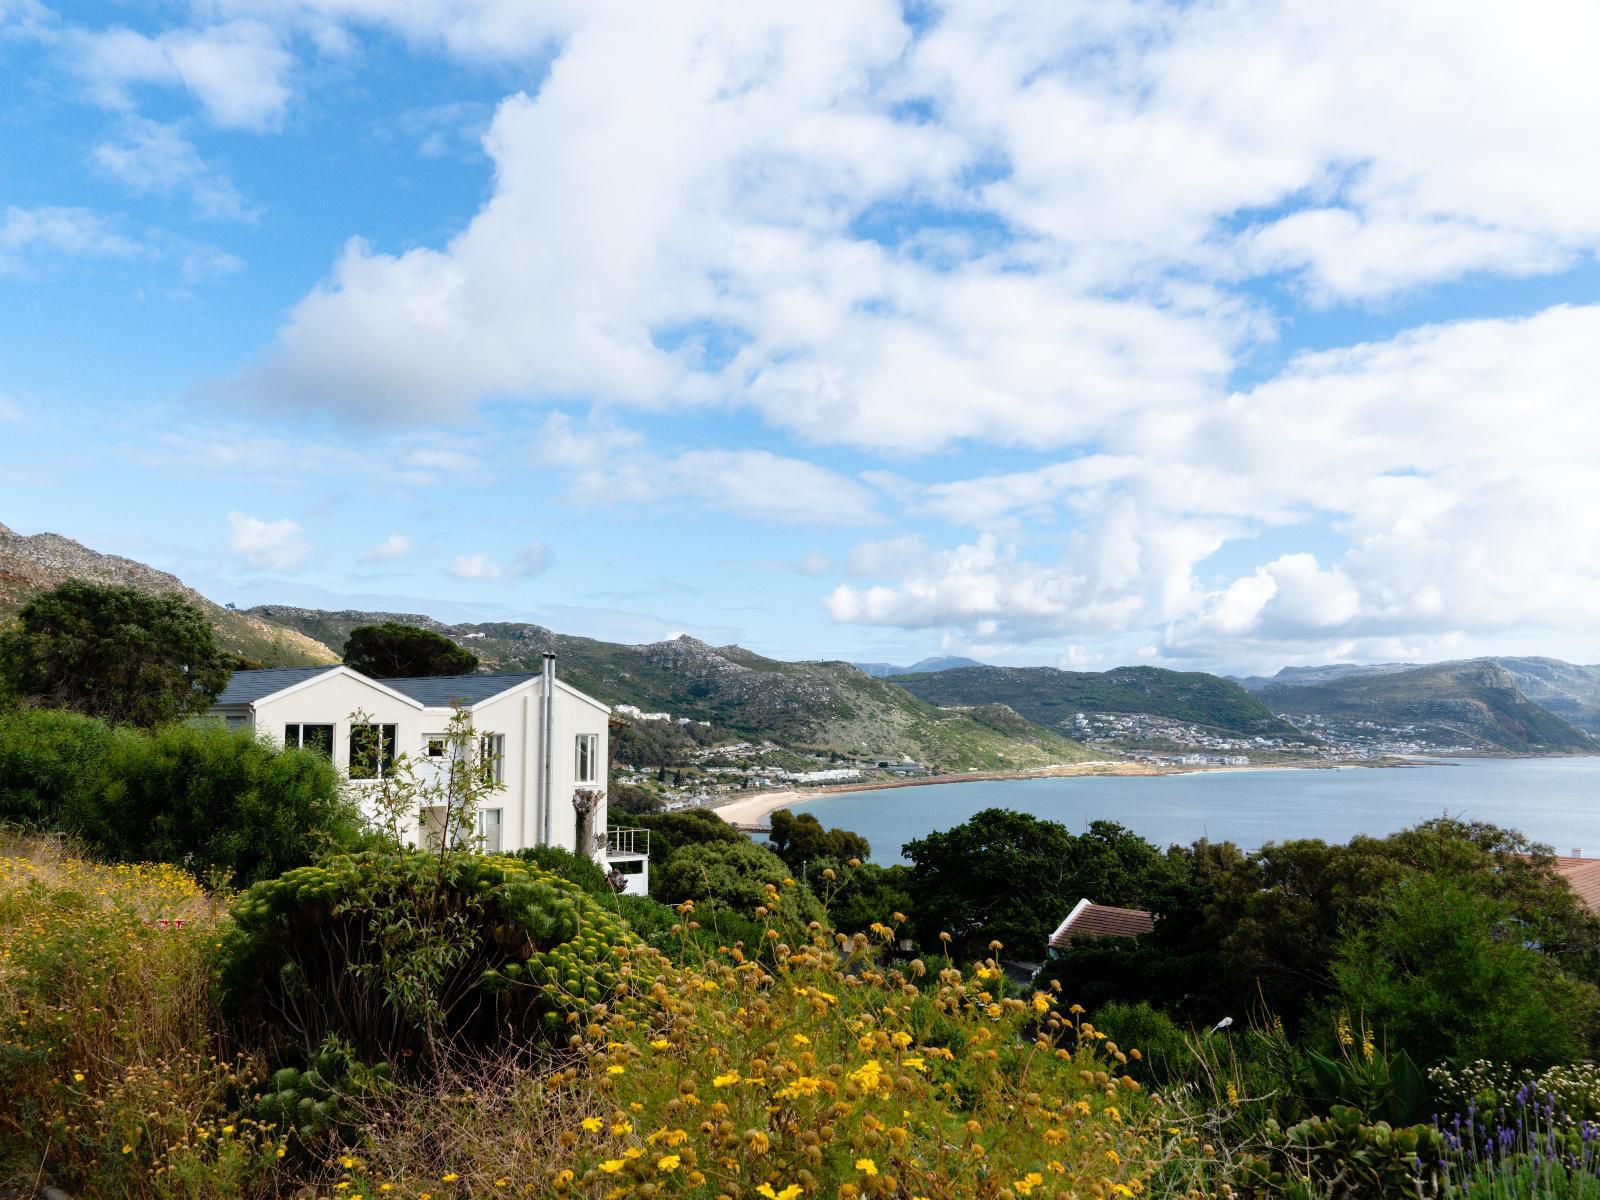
x=114, y=653
x=1011, y=877
x=395, y=651
x=1445, y=972
x=802, y=839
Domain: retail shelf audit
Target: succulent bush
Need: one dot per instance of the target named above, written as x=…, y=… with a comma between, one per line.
x=1343, y=1156
x=402, y=953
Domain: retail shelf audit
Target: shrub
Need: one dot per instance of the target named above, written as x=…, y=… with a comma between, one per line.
x=574, y=868
x=403, y=953
x=106, y=1022
x=1341, y=1155
x=738, y=877
x=1164, y=1047
x=47, y=757
x=213, y=800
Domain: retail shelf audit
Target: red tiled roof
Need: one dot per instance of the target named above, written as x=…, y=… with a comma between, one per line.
x=1583, y=874
x=1089, y=920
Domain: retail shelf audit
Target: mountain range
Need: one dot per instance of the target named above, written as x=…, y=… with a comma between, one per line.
x=951, y=713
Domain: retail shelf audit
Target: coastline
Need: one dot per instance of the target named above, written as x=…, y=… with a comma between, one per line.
x=750, y=812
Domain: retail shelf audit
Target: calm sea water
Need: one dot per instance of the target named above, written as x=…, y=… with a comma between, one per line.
x=1552, y=800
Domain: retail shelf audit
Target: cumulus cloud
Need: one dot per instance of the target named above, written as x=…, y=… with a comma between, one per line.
x=1451, y=465
x=268, y=545
x=475, y=567
x=1021, y=224
x=396, y=545
x=534, y=559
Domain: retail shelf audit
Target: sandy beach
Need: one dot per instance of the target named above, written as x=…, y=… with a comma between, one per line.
x=749, y=812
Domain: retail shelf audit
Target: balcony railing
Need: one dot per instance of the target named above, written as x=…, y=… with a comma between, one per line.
x=627, y=841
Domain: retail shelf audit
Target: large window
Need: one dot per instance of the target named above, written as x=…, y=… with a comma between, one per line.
x=371, y=751
x=492, y=757
x=310, y=737
x=588, y=764
x=489, y=830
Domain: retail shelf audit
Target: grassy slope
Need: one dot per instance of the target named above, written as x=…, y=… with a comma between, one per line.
x=29, y=565
x=1478, y=700
x=823, y=705
x=1051, y=697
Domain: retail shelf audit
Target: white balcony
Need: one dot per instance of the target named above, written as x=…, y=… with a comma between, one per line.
x=628, y=854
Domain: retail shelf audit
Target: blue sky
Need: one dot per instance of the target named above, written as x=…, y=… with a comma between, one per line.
x=1214, y=335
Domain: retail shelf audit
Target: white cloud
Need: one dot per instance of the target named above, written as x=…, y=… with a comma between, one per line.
x=30, y=236
x=396, y=545
x=237, y=70
x=753, y=483
x=475, y=567
x=1451, y=467
x=1026, y=224
x=268, y=545
x=150, y=157
x=889, y=556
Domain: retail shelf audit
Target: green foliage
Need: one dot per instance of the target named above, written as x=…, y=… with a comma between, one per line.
x=631, y=799
x=1343, y=1156
x=733, y=874
x=1052, y=697
x=114, y=653
x=214, y=801
x=1163, y=1047
x=47, y=757
x=325, y=1100
x=686, y=827
x=1384, y=1087
x=203, y=797
x=574, y=868
x=1573, y=1088
x=402, y=953
x=858, y=896
x=392, y=650
x=801, y=839
x=1448, y=973
x=1011, y=877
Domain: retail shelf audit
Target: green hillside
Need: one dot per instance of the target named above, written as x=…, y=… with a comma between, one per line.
x=811, y=705
x=32, y=564
x=1475, y=703
x=1051, y=697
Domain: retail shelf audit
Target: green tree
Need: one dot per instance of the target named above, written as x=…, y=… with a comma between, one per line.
x=113, y=653
x=1446, y=972
x=46, y=757
x=801, y=839
x=395, y=651
x=1011, y=877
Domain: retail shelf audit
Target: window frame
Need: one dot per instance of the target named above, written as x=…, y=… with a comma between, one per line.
x=492, y=758
x=383, y=765
x=586, y=753
x=483, y=827
x=298, y=739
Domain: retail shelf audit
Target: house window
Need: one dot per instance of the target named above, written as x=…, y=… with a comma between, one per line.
x=310, y=737
x=588, y=764
x=489, y=830
x=492, y=758
x=436, y=746
x=371, y=751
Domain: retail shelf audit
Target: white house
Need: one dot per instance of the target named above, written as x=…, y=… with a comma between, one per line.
x=547, y=742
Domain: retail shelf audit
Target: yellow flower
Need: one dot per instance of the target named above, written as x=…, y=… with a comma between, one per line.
x=592, y=1124
x=727, y=1080
x=788, y=1193
x=127, y=1149
x=77, y=1077
x=1025, y=1185
x=1041, y=1003
x=615, y=1070
x=660, y=1044
x=347, y=1162
x=611, y=1166
x=668, y=1163
x=501, y=1182
x=866, y=1166
x=622, y=1127
x=632, y=1152
x=449, y=1177
x=800, y=1039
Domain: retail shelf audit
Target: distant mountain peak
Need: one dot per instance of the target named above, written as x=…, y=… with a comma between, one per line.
x=882, y=670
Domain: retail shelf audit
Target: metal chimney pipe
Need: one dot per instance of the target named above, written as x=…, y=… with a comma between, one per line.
x=547, y=730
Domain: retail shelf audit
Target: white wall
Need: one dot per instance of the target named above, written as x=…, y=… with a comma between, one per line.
x=331, y=699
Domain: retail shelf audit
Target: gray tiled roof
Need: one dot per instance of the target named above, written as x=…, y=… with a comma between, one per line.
x=444, y=690
x=245, y=686
x=437, y=692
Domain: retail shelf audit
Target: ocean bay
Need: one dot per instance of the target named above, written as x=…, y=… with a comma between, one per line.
x=1552, y=800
